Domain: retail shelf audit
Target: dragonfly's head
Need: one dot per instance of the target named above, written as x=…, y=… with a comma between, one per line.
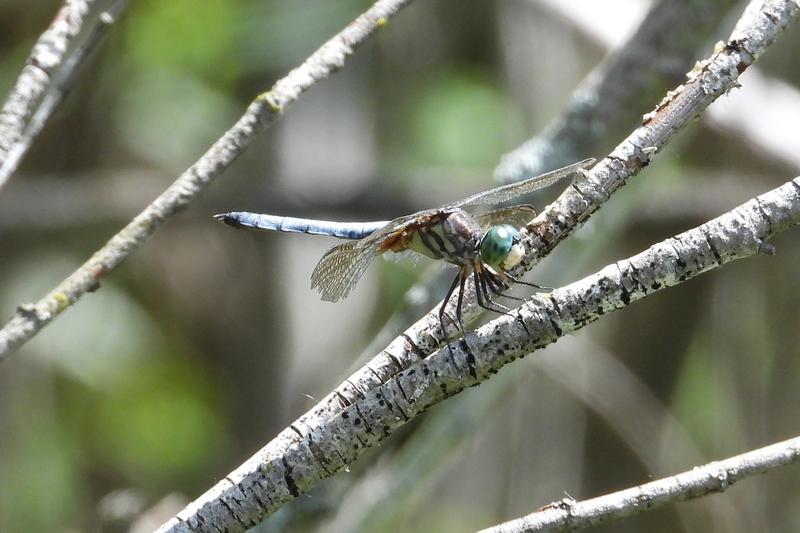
x=500, y=247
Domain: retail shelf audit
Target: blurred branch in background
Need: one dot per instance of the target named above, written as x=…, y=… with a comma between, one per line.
x=37, y=76
x=59, y=85
x=263, y=112
x=571, y=515
x=615, y=95
x=268, y=480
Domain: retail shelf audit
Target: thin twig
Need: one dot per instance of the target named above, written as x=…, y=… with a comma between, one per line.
x=36, y=76
x=262, y=112
x=571, y=515
x=60, y=84
x=273, y=476
x=754, y=33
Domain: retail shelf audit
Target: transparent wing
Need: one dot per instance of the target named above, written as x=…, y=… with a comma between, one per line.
x=340, y=269
x=516, y=215
x=406, y=256
x=512, y=190
x=342, y=266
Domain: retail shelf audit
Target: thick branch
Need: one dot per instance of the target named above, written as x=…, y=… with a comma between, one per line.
x=570, y=515
x=35, y=78
x=265, y=110
x=59, y=85
x=277, y=475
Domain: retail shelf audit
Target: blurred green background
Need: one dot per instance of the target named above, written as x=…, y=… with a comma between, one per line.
x=197, y=351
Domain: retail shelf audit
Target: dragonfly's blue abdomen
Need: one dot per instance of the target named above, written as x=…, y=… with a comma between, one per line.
x=342, y=230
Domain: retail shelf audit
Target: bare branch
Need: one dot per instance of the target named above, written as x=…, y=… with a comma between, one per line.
x=571, y=515
x=60, y=84
x=265, y=110
x=276, y=475
x=36, y=76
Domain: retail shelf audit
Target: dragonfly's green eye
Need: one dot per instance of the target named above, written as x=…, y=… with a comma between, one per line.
x=497, y=244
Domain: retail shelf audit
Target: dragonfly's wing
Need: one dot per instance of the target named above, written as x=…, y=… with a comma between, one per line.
x=512, y=190
x=406, y=256
x=342, y=266
x=516, y=215
x=340, y=269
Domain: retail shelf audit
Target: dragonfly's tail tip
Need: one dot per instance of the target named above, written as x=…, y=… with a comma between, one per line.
x=227, y=218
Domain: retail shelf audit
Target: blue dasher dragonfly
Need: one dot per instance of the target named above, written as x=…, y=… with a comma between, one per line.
x=483, y=245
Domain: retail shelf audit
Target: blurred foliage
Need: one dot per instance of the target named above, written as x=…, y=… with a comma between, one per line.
x=443, y=117
x=197, y=351
x=207, y=44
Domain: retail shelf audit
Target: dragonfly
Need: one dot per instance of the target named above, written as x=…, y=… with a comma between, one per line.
x=481, y=244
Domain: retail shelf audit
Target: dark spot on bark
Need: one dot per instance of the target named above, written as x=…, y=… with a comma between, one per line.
x=357, y=421
x=287, y=477
x=345, y=415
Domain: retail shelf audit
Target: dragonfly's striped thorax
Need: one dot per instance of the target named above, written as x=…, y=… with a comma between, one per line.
x=451, y=235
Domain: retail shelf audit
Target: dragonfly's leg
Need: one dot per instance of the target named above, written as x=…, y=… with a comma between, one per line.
x=463, y=276
x=444, y=306
x=481, y=293
x=485, y=284
x=497, y=286
x=516, y=280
